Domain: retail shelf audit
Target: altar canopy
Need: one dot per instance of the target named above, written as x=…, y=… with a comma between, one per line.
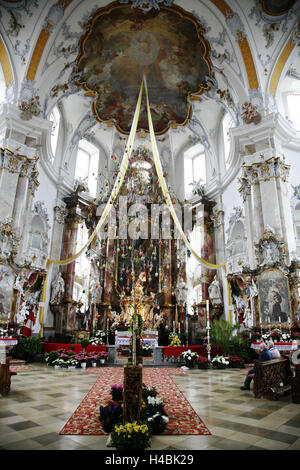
x=115, y=191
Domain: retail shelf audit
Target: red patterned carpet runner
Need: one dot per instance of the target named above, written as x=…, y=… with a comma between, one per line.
x=183, y=420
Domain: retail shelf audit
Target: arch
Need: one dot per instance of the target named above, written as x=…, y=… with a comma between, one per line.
x=41, y=44
x=243, y=45
x=285, y=54
x=5, y=63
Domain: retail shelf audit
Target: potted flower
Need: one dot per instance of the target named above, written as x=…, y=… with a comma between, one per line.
x=103, y=356
x=236, y=362
x=157, y=420
x=203, y=362
x=51, y=357
x=72, y=363
x=82, y=360
x=154, y=404
x=58, y=363
x=174, y=340
x=148, y=392
x=147, y=350
x=116, y=392
x=189, y=357
x=131, y=436
x=98, y=337
x=110, y=415
x=220, y=362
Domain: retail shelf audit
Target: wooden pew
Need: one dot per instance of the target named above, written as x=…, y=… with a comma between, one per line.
x=272, y=378
x=5, y=377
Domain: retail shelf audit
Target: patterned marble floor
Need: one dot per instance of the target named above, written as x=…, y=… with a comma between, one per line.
x=42, y=399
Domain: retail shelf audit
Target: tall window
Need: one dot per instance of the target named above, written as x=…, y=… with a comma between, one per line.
x=194, y=168
x=55, y=119
x=227, y=123
x=87, y=165
x=293, y=102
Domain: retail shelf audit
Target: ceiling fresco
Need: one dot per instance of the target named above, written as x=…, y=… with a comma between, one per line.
x=120, y=42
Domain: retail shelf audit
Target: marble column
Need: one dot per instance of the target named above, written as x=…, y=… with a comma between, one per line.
x=207, y=247
x=19, y=203
x=68, y=250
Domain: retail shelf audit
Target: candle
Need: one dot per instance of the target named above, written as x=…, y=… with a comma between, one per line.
x=279, y=319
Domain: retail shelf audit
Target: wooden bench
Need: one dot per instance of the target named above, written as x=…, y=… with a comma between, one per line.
x=5, y=377
x=272, y=378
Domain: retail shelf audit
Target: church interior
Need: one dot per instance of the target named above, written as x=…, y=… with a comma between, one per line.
x=149, y=224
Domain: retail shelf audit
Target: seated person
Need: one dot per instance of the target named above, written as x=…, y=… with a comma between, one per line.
x=264, y=355
x=273, y=350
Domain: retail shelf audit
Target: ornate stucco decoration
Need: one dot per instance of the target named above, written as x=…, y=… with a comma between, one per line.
x=60, y=213
x=250, y=114
x=9, y=241
x=121, y=41
x=274, y=167
x=218, y=218
x=25, y=166
x=148, y=5
x=270, y=251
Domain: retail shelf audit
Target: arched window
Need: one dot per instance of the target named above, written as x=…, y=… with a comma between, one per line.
x=227, y=123
x=194, y=168
x=55, y=119
x=293, y=104
x=87, y=165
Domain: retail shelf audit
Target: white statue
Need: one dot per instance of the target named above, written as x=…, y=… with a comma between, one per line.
x=58, y=289
x=22, y=314
x=214, y=292
x=181, y=291
x=19, y=283
x=96, y=291
x=159, y=318
x=253, y=290
x=248, y=318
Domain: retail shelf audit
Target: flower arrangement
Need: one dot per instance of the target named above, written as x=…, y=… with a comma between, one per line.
x=116, y=392
x=111, y=414
x=98, y=337
x=220, y=362
x=81, y=357
x=157, y=420
x=202, y=362
x=147, y=349
x=174, y=340
x=236, y=361
x=154, y=404
x=131, y=436
x=189, y=357
x=148, y=392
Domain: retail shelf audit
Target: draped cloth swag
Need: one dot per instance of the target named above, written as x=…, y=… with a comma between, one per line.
x=45, y=296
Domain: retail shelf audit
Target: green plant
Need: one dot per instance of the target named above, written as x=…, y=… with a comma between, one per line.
x=29, y=348
x=241, y=347
x=131, y=436
x=51, y=357
x=84, y=342
x=221, y=334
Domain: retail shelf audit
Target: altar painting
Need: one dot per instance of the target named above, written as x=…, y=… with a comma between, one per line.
x=7, y=278
x=274, y=297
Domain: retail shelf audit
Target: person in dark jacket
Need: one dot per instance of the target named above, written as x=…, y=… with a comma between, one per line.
x=264, y=355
